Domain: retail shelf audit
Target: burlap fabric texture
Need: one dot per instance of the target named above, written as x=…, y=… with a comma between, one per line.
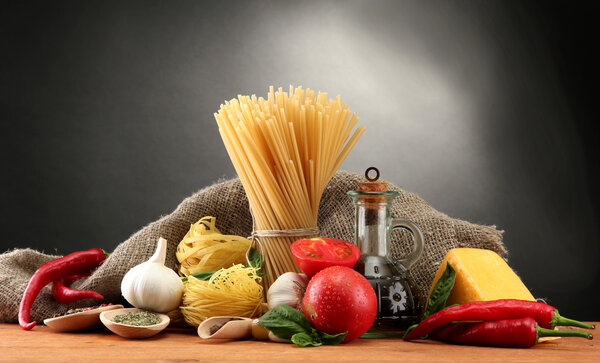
x=228, y=203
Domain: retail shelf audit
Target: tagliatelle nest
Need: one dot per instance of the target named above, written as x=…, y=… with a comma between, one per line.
x=204, y=248
x=235, y=291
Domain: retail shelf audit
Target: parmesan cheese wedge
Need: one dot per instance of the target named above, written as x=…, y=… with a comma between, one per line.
x=481, y=275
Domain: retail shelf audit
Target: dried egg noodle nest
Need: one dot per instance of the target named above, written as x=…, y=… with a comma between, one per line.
x=236, y=291
x=204, y=248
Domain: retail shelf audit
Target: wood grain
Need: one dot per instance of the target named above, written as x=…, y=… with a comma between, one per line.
x=177, y=345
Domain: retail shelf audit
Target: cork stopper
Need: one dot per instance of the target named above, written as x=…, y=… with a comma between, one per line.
x=372, y=185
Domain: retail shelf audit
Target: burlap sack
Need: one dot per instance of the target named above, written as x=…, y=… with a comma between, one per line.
x=227, y=202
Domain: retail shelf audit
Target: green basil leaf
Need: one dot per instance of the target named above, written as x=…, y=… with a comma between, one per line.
x=305, y=340
x=204, y=276
x=290, y=324
x=441, y=291
x=285, y=321
x=332, y=339
x=255, y=259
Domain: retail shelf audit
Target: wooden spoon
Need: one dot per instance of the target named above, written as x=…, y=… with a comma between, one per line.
x=79, y=321
x=225, y=327
x=131, y=331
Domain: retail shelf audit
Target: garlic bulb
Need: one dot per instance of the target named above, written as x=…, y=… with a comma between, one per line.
x=151, y=285
x=287, y=289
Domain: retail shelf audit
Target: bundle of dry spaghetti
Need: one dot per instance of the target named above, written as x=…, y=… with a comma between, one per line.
x=285, y=149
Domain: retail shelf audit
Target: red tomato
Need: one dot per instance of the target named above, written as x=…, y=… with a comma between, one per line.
x=339, y=299
x=313, y=255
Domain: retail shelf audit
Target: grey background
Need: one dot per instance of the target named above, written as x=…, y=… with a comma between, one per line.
x=482, y=108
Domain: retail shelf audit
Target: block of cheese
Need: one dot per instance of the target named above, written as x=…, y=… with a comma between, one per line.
x=481, y=275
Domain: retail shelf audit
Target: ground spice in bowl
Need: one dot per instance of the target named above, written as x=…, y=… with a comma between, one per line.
x=81, y=310
x=137, y=318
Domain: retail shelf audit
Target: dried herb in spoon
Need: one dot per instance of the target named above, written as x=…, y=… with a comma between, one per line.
x=137, y=318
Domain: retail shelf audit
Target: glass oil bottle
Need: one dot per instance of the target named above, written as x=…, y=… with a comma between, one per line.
x=398, y=306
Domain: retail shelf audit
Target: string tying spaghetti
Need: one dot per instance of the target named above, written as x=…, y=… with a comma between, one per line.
x=298, y=232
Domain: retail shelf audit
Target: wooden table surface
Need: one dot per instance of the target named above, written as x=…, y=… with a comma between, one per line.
x=179, y=345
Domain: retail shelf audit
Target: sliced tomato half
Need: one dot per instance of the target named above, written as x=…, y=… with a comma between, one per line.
x=314, y=254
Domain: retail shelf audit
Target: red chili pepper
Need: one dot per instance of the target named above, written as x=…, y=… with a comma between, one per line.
x=515, y=333
x=545, y=315
x=68, y=280
x=74, y=263
x=65, y=295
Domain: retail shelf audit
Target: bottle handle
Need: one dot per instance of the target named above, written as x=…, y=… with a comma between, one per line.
x=410, y=259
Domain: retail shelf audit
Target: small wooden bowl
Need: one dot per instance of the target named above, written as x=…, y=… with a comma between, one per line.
x=130, y=331
x=79, y=321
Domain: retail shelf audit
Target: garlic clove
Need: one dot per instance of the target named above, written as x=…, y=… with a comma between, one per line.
x=288, y=289
x=276, y=339
x=258, y=331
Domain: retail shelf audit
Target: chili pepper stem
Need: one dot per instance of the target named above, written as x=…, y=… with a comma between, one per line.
x=561, y=320
x=543, y=332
